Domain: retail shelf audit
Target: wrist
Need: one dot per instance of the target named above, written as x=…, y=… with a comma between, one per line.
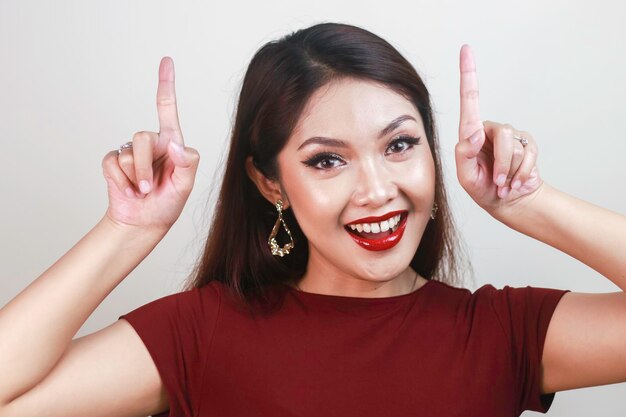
x=130, y=233
x=529, y=214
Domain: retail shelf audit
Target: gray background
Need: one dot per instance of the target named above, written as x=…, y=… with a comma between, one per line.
x=78, y=78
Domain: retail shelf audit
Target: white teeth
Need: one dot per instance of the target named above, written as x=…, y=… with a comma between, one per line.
x=396, y=221
x=385, y=225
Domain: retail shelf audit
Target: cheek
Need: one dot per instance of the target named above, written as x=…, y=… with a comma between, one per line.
x=316, y=201
x=418, y=182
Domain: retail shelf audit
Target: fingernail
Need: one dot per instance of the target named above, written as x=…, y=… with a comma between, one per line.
x=129, y=192
x=516, y=184
x=505, y=192
x=501, y=179
x=144, y=186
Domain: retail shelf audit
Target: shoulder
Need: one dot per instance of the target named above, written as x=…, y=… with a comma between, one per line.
x=510, y=306
x=522, y=296
x=184, y=305
x=209, y=292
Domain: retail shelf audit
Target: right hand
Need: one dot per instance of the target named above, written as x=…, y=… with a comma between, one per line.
x=149, y=184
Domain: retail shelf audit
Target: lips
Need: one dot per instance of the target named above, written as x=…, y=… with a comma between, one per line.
x=386, y=240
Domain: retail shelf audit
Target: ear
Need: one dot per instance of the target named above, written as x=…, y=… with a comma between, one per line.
x=270, y=189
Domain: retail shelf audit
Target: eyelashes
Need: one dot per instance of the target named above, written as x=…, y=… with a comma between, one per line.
x=320, y=161
x=328, y=160
x=409, y=142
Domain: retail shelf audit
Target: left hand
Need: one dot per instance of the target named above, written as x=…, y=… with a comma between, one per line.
x=496, y=170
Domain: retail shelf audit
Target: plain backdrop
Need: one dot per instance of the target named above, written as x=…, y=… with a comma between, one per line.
x=78, y=78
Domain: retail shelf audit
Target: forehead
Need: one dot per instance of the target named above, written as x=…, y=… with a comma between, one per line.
x=350, y=106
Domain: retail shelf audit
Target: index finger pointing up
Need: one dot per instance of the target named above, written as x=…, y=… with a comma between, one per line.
x=470, y=113
x=166, y=102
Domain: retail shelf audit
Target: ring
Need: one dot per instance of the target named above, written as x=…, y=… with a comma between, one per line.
x=521, y=139
x=127, y=145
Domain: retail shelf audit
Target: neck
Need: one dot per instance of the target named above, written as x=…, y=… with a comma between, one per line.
x=408, y=281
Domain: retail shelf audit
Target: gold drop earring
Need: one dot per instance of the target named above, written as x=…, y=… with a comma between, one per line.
x=433, y=212
x=277, y=250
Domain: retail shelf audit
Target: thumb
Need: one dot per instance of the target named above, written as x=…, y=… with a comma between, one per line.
x=185, y=161
x=466, y=151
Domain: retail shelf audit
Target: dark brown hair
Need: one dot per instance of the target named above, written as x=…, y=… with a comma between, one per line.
x=280, y=79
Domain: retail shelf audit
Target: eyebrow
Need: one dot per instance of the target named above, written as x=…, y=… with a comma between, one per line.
x=341, y=144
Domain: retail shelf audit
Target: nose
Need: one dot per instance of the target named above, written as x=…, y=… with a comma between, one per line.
x=375, y=185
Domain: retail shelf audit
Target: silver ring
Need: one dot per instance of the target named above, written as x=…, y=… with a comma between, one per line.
x=521, y=139
x=127, y=145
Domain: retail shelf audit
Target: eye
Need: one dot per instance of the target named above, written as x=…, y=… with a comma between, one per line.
x=324, y=161
x=402, y=143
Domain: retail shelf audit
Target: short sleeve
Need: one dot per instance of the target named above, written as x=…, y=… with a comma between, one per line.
x=177, y=331
x=524, y=314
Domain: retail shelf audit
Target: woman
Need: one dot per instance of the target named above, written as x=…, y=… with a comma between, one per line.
x=333, y=213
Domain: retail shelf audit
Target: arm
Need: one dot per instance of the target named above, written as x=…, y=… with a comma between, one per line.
x=104, y=374
x=585, y=341
x=591, y=234
x=44, y=372
x=584, y=344
x=39, y=323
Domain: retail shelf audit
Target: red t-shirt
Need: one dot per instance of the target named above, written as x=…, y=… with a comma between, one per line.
x=438, y=351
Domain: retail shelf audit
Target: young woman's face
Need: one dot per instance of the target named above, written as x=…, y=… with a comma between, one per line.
x=359, y=151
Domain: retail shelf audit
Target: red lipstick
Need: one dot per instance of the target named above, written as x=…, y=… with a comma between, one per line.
x=385, y=242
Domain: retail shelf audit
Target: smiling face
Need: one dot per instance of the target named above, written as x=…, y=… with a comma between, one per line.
x=357, y=162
